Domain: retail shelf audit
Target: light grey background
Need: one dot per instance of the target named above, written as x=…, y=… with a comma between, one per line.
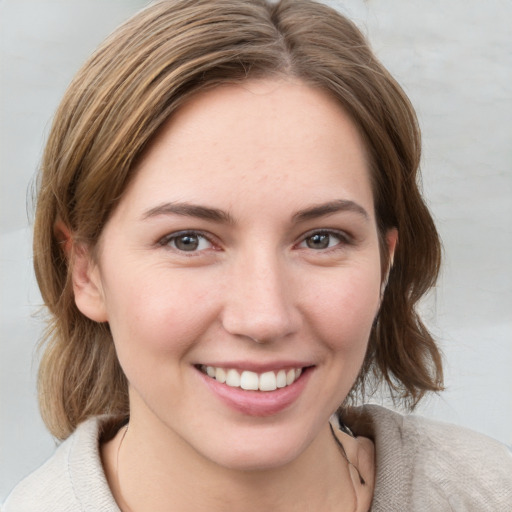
x=454, y=59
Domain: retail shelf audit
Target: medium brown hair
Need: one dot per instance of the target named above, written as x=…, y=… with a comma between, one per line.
x=114, y=107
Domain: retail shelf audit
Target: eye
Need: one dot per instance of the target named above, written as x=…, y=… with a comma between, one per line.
x=187, y=241
x=321, y=240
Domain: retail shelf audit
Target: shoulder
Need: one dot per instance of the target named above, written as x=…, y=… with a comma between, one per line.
x=468, y=470
x=435, y=465
x=71, y=480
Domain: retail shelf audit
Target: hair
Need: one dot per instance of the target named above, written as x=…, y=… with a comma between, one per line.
x=114, y=107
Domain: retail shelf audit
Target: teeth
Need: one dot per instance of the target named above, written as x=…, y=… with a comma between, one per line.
x=220, y=375
x=252, y=381
x=281, y=379
x=268, y=381
x=248, y=380
x=233, y=378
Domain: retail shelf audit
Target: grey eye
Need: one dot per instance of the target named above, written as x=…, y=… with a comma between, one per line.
x=318, y=241
x=187, y=242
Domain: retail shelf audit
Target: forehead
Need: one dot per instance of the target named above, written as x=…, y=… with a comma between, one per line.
x=264, y=139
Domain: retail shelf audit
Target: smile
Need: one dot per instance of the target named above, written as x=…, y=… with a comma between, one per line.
x=252, y=381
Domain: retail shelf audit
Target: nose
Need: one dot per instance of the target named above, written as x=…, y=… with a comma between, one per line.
x=260, y=301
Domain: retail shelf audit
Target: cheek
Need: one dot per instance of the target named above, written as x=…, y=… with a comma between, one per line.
x=152, y=318
x=344, y=308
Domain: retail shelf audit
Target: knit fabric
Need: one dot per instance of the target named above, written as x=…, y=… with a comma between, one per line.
x=422, y=466
x=426, y=466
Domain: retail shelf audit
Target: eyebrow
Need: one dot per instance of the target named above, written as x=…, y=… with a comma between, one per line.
x=340, y=205
x=189, y=210
x=221, y=216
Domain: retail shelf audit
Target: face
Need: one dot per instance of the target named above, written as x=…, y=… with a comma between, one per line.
x=240, y=273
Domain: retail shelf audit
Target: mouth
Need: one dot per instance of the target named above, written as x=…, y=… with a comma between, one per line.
x=252, y=381
x=252, y=393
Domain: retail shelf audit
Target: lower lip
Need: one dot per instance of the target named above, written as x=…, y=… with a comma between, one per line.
x=258, y=403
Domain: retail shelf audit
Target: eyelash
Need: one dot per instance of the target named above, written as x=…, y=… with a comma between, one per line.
x=343, y=239
x=169, y=241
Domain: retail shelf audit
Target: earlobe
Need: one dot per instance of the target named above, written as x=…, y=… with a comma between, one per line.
x=87, y=285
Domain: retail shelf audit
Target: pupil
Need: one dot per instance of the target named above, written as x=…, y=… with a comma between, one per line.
x=318, y=241
x=187, y=243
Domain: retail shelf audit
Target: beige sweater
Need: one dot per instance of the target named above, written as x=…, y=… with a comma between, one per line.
x=422, y=466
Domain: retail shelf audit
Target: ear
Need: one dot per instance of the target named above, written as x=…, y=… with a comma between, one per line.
x=87, y=285
x=391, y=243
x=63, y=235
x=391, y=239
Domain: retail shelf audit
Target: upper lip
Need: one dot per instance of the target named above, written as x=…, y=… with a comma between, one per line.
x=257, y=367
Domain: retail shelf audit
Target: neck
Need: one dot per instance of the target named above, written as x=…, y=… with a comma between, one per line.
x=163, y=473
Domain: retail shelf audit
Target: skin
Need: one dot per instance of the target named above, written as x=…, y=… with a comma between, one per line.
x=261, y=153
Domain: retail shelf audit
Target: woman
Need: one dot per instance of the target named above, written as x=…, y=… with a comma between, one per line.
x=231, y=243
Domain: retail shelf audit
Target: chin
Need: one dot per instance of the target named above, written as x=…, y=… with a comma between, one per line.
x=254, y=459
x=259, y=448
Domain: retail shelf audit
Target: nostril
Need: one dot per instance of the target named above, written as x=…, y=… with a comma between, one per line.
x=260, y=329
